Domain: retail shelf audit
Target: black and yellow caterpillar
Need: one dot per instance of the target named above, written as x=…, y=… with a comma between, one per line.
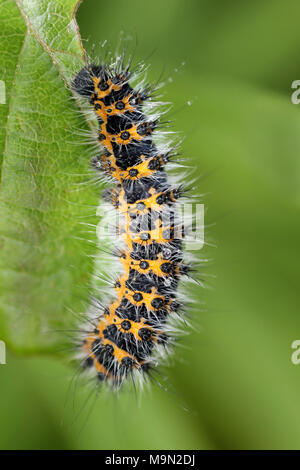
x=132, y=329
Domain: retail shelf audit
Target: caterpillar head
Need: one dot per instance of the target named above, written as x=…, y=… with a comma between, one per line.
x=97, y=79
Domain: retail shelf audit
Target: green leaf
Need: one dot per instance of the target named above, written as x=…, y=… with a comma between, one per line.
x=46, y=195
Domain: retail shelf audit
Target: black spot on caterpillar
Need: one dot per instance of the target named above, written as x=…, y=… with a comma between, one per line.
x=133, y=329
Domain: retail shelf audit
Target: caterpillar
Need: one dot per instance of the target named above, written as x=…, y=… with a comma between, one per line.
x=133, y=330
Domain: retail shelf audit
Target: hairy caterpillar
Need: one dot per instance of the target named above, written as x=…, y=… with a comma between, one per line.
x=132, y=331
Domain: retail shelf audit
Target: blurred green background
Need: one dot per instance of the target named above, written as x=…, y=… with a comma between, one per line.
x=242, y=135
